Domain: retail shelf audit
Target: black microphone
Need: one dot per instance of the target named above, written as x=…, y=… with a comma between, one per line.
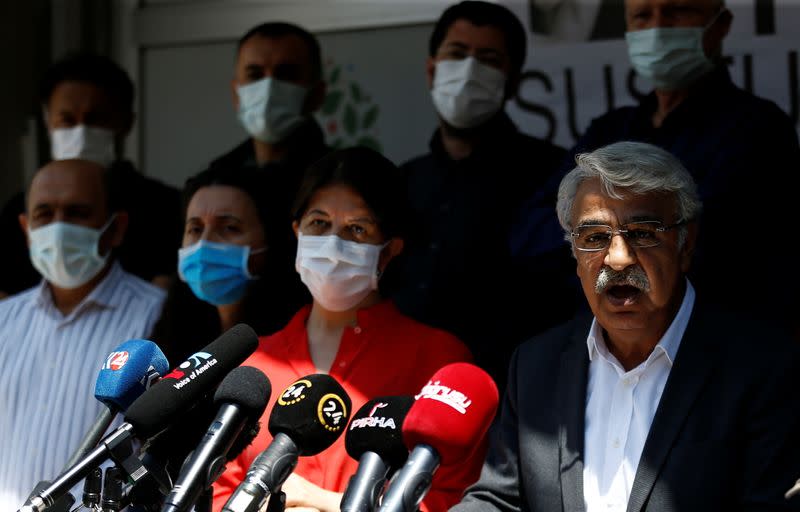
x=375, y=439
x=154, y=410
x=242, y=397
x=307, y=418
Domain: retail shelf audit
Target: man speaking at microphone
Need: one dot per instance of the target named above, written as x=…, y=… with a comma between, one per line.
x=658, y=400
x=56, y=336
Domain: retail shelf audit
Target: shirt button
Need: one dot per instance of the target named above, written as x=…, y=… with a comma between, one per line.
x=616, y=443
x=357, y=330
x=422, y=286
x=434, y=246
x=342, y=364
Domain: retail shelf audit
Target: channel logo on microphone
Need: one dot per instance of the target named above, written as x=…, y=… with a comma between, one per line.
x=332, y=412
x=295, y=393
x=372, y=421
x=434, y=390
x=116, y=360
x=188, y=370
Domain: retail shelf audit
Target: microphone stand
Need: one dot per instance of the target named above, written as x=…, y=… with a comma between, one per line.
x=277, y=501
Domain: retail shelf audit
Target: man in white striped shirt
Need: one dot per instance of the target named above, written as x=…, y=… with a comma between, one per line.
x=55, y=336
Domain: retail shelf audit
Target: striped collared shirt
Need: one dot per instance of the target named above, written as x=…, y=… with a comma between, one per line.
x=49, y=363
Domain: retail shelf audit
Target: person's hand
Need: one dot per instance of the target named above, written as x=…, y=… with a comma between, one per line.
x=303, y=496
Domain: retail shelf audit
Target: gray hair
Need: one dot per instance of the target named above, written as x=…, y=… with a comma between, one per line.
x=634, y=167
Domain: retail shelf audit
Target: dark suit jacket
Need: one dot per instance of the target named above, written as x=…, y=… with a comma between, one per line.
x=725, y=436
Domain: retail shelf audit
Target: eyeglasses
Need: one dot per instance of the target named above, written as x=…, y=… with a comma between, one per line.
x=596, y=237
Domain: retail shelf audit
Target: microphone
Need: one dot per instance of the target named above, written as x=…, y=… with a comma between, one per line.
x=307, y=418
x=155, y=409
x=242, y=397
x=374, y=438
x=127, y=372
x=451, y=413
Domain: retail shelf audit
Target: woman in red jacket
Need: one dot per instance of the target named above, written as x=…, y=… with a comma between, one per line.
x=349, y=216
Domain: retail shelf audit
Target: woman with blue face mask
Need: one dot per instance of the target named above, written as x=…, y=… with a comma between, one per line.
x=350, y=217
x=227, y=271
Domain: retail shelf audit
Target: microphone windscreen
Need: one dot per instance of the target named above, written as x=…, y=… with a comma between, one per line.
x=313, y=412
x=377, y=427
x=128, y=371
x=180, y=389
x=452, y=412
x=246, y=387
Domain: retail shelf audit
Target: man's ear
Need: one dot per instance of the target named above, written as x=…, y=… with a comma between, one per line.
x=118, y=229
x=23, y=223
x=315, y=98
x=295, y=228
x=430, y=69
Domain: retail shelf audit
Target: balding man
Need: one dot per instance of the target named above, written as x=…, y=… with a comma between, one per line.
x=55, y=336
x=740, y=149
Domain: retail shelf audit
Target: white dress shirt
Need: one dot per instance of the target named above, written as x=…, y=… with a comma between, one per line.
x=49, y=363
x=620, y=406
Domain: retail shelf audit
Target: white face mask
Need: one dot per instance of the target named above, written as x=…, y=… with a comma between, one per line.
x=83, y=142
x=67, y=255
x=271, y=109
x=466, y=92
x=670, y=57
x=338, y=273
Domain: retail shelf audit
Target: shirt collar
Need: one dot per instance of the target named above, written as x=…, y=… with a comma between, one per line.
x=669, y=342
x=102, y=295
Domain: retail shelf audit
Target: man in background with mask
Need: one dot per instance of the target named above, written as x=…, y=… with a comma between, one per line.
x=739, y=149
x=87, y=104
x=463, y=193
x=277, y=86
x=55, y=337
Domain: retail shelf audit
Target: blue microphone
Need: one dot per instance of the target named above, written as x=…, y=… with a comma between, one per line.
x=127, y=372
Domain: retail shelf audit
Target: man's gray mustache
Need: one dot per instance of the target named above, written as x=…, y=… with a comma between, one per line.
x=630, y=276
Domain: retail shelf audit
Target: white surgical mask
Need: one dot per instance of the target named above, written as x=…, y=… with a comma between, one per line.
x=67, y=255
x=271, y=109
x=83, y=142
x=338, y=273
x=670, y=57
x=466, y=92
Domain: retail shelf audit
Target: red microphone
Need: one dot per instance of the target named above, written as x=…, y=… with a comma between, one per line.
x=450, y=416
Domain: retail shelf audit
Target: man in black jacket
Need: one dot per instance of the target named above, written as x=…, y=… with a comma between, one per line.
x=88, y=109
x=457, y=272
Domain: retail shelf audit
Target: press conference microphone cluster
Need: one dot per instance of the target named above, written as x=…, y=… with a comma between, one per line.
x=307, y=418
x=155, y=410
x=374, y=438
x=449, y=416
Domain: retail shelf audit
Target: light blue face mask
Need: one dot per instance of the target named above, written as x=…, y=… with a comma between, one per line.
x=670, y=57
x=217, y=273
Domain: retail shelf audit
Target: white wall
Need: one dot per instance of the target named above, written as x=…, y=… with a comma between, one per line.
x=187, y=116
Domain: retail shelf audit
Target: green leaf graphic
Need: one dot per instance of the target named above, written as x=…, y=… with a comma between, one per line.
x=335, y=75
x=332, y=100
x=355, y=92
x=370, y=117
x=370, y=142
x=350, y=120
